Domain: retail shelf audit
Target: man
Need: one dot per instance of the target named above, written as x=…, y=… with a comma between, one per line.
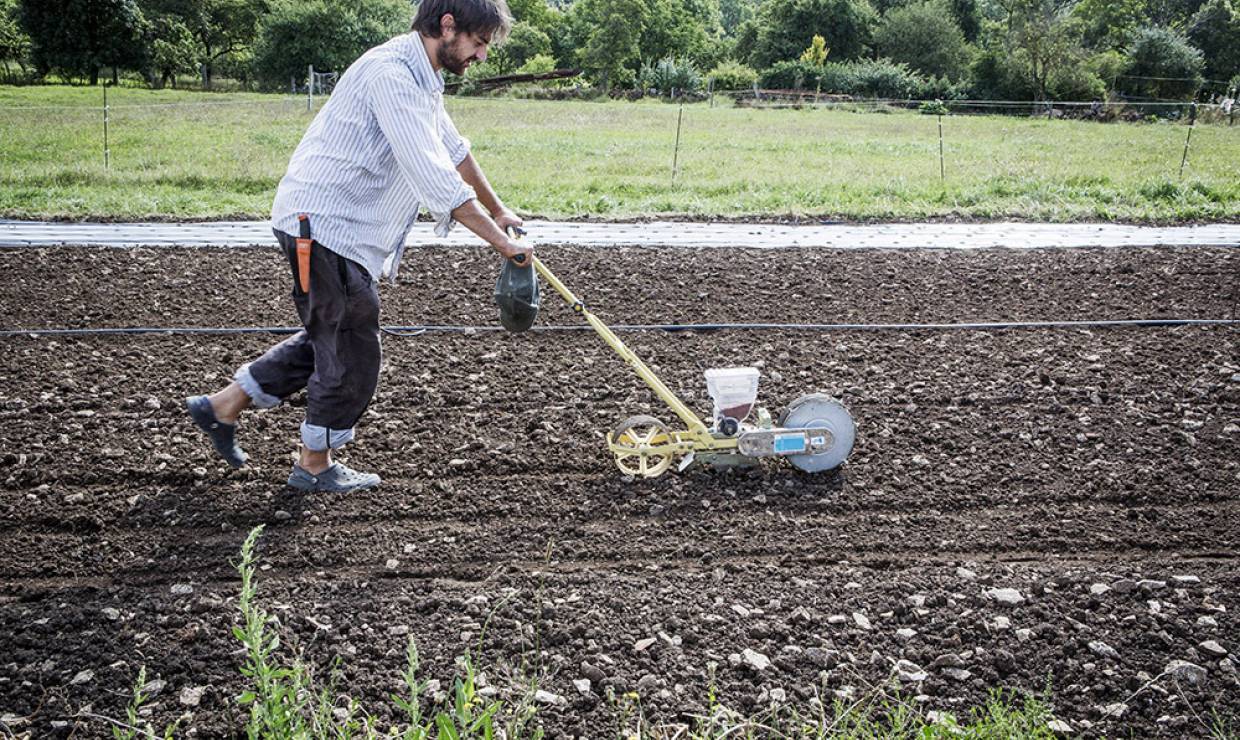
x=380, y=149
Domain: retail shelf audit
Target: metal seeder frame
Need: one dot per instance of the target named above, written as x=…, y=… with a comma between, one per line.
x=651, y=445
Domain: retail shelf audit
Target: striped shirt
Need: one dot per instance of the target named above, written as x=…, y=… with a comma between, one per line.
x=380, y=149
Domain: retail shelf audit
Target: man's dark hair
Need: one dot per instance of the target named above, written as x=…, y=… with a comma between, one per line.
x=487, y=18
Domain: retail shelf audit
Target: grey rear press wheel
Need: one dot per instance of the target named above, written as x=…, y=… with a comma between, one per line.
x=819, y=410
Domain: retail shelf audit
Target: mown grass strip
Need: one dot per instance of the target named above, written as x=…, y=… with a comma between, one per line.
x=172, y=158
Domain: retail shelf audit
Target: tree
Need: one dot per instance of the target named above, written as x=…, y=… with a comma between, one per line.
x=534, y=12
x=786, y=27
x=706, y=13
x=615, y=28
x=328, y=34
x=968, y=17
x=14, y=43
x=1044, y=40
x=172, y=50
x=732, y=13
x=564, y=37
x=1170, y=13
x=926, y=38
x=220, y=27
x=1163, y=66
x=524, y=42
x=80, y=37
x=1109, y=24
x=1215, y=30
x=567, y=33
x=671, y=29
x=746, y=40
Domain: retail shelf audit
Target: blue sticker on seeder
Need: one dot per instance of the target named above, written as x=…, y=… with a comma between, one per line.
x=786, y=443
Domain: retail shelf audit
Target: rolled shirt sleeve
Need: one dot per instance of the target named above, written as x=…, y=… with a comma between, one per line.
x=458, y=146
x=409, y=118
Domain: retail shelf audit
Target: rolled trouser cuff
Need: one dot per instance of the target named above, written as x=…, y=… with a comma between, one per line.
x=246, y=380
x=320, y=439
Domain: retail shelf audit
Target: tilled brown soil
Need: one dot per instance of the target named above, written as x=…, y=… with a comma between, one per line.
x=75, y=287
x=1054, y=462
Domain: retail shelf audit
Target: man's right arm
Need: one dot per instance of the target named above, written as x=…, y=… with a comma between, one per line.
x=405, y=114
x=472, y=216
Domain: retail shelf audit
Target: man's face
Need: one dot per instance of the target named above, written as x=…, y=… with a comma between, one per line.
x=460, y=50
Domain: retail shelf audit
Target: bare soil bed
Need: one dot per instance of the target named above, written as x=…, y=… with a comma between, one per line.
x=1095, y=472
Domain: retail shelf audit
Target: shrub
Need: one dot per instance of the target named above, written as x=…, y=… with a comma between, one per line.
x=865, y=78
x=882, y=78
x=669, y=76
x=794, y=74
x=1076, y=83
x=1163, y=66
x=483, y=70
x=538, y=64
x=467, y=84
x=624, y=78
x=998, y=76
x=939, y=88
x=732, y=76
x=817, y=52
x=560, y=90
x=1107, y=66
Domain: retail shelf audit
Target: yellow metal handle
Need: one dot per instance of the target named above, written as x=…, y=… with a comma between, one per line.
x=686, y=415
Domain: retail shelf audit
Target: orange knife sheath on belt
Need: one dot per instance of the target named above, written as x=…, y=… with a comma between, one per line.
x=303, y=253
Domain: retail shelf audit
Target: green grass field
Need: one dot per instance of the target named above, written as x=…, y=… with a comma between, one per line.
x=180, y=155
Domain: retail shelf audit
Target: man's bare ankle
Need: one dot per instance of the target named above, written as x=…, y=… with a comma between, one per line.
x=228, y=403
x=315, y=464
x=222, y=412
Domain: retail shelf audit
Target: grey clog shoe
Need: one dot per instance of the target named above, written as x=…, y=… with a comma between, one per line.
x=222, y=435
x=336, y=479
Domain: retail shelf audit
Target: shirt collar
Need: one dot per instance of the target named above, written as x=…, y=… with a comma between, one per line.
x=420, y=64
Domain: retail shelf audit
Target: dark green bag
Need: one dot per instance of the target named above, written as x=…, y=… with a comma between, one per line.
x=516, y=294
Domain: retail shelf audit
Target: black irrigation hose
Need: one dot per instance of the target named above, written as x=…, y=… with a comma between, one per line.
x=413, y=331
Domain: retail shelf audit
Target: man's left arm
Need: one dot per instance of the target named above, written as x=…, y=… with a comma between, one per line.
x=473, y=175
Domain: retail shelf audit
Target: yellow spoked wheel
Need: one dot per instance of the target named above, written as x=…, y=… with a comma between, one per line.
x=635, y=443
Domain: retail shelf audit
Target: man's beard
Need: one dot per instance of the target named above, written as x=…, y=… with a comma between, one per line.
x=450, y=61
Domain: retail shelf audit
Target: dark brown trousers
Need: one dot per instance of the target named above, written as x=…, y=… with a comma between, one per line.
x=336, y=357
